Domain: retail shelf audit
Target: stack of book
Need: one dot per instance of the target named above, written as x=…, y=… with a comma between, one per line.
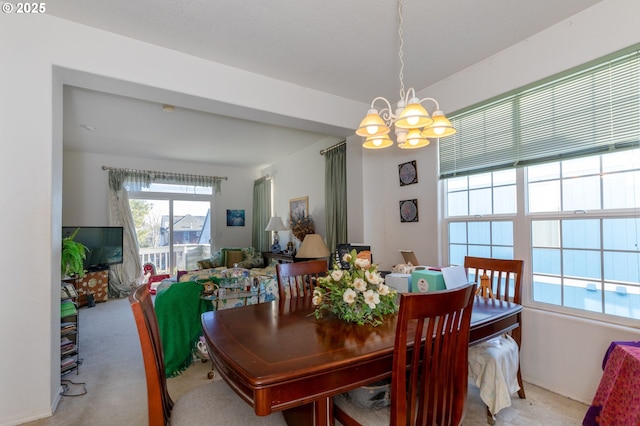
x=68, y=363
x=67, y=327
x=67, y=346
x=67, y=308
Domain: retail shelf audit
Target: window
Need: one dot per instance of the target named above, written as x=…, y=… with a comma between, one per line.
x=470, y=200
x=592, y=262
x=173, y=225
x=569, y=206
x=583, y=244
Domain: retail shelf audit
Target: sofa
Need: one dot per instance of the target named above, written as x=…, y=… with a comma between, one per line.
x=244, y=257
x=264, y=289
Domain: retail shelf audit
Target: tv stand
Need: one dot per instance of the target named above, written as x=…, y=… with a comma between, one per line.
x=98, y=268
x=95, y=283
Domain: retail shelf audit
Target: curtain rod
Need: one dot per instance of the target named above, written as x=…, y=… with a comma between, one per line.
x=164, y=173
x=338, y=145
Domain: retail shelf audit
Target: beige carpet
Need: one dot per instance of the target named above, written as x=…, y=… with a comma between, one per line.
x=113, y=375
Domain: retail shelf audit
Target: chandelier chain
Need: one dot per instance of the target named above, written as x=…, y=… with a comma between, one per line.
x=401, y=53
x=413, y=124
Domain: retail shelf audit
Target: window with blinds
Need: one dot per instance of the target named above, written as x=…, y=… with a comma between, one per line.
x=585, y=112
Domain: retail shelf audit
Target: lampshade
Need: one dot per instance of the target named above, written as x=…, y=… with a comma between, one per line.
x=313, y=247
x=414, y=140
x=409, y=114
x=377, y=142
x=413, y=116
x=275, y=224
x=440, y=128
x=372, y=125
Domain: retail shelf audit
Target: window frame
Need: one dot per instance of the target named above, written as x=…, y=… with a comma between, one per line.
x=177, y=196
x=522, y=244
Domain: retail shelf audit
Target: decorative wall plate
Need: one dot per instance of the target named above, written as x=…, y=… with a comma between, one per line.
x=408, y=173
x=409, y=210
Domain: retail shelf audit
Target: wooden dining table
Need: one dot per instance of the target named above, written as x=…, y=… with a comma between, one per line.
x=278, y=357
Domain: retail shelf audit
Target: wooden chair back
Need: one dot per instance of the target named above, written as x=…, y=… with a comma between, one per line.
x=300, y=277
x=504, y=275
x=159, y=401
x=429, y=386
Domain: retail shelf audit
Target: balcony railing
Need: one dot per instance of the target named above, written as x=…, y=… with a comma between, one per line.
x=184, y=257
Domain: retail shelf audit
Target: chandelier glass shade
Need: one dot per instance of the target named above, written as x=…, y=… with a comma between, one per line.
x=377, y=142
x=412, y=123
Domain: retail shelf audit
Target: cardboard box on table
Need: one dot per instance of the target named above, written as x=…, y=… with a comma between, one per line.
x=399, y=282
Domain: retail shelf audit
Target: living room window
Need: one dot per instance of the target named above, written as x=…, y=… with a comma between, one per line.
x=555, y=167
x=173, y=225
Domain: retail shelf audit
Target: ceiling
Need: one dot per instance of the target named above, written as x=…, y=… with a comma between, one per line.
x=345, y=48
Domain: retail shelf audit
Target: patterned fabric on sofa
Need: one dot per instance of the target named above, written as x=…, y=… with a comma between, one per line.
x=250, y=259
x=264, y=279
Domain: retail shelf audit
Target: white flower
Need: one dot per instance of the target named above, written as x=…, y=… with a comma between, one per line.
x=347, y=257
x=373, y=277
x=336, y=275
x=349, y=296
x=362, y=263
x=371, y=298
x=383, y=290
x=360, y=284
x=317, y=298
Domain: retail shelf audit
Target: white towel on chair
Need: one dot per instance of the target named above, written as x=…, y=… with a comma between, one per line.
x=493, y=366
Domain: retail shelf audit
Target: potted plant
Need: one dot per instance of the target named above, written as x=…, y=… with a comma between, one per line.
x=73, y=255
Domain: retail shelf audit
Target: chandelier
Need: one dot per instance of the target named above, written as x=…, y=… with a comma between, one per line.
x=413, y=126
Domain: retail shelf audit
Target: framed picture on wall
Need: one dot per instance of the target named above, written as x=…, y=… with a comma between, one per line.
x=235, y=217
x=299, y=207
x=409, y=210
x=408, y=173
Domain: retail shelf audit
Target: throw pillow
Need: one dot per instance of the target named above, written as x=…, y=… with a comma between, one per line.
x=205, y=264
x=234, y=257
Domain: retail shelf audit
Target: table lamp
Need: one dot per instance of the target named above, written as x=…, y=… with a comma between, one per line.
x=275, y=224
x=313, y=247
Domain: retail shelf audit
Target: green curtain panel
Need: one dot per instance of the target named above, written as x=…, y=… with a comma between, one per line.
x=335, y=198
x=260, y=239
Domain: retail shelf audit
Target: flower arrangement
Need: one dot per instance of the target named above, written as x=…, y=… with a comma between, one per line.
x=301, y=225
x=357, y=294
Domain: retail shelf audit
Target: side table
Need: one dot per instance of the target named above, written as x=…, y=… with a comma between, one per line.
x=279, y=257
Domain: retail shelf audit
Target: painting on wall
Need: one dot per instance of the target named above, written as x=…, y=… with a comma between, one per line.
x=235, y=217
x=299, y=207
x=409, y=210
x=408, y=173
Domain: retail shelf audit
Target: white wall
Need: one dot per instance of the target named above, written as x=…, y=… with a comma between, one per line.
x=40, y=53
x=300, y=175
x=559, y=352
x=85, y=195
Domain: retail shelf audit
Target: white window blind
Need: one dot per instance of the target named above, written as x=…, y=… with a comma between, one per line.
x=590, y=111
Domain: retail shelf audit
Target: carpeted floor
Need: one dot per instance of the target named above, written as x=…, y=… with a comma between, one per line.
x=113, y=376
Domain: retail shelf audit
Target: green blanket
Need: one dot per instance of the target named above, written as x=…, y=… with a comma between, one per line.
x=178, y=308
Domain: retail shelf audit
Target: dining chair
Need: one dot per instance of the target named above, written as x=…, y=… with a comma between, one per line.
x=428, y=386
x=298, y=279
x=213, y=403
x=494, y=365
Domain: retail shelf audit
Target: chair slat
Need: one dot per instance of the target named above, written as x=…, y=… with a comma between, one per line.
x=300, y=277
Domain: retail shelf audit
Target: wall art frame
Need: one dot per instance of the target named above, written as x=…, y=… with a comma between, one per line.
x=235, y=217
x=409, y=210
x=408, y=173
x=299, y=206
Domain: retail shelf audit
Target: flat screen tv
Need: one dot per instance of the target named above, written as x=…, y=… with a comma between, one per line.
x=104, y=244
